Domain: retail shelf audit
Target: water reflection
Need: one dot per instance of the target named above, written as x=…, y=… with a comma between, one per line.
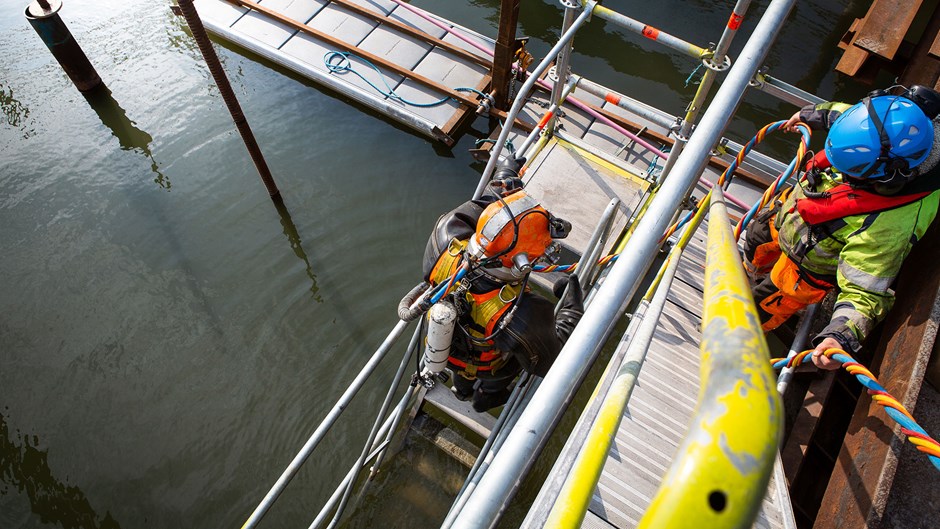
x=25, y=467
x=129, y=136
x=15, y=112
x=293, y=237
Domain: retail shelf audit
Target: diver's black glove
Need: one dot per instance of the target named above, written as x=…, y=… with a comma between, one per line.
x=572, y=308
x=506, y=176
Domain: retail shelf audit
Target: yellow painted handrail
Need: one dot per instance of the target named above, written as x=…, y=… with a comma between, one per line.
x=720, y=474
x=574, y=498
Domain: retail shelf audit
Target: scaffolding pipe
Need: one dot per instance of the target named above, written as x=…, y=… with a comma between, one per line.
x=577, y=103
x=497, y=444
x=627, y=103
x=494, y=440
x=527, y=438
x=607, y=121
x=596, y=244
x=717, y=63
x=799, y=343
x=387, y=427
x=784, y=91
x=575, y=470
x=654, y=34
x=547, y=117
x=324, y=426
x=575, y=495
x=389, y=396
x=563, y=63
x=720, y=473
x=523, y=94
x=397, y=414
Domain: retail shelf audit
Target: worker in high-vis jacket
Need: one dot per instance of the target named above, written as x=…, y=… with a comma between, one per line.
x=502, y=327
x=851, y=220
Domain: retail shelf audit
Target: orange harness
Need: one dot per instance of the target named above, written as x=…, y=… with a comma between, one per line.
x=486, y=310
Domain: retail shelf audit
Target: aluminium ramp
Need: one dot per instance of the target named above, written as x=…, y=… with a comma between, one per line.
x=660, y=409
x=416, y=58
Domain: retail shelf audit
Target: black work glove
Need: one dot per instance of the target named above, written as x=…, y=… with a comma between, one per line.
x=572, y=307
x=506, y=176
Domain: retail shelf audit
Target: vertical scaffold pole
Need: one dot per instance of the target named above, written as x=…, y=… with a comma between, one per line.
x=228, y=95
x=43, y=15
x=718, y=62
x=563, y=63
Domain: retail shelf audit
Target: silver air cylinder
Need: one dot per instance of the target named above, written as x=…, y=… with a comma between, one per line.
x=443, y=317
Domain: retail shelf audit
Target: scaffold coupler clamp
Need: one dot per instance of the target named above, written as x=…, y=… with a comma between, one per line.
x=758, y=80
x=425, y=379
x=708, y=60
x=487, y=103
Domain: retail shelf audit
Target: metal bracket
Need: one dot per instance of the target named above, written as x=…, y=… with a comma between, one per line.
x=570, y=4
x=707, y=61
x=758, y=80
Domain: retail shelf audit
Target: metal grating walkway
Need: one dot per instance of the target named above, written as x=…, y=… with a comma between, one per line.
x=661, y=408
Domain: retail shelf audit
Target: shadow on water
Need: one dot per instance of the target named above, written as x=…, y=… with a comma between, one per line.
x=129, y=136
x=293, y=237
x=25, y=467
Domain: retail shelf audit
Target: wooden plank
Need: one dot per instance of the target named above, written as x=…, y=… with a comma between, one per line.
x=464, y=113
x=375, y=59
x=885, y=25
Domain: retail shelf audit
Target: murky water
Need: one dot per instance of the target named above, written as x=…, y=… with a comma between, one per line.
x=168, y=337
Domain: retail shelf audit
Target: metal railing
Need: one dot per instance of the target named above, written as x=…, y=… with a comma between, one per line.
x=571, y=499
x=512, y=451
x=536, y=423
x=720, y=474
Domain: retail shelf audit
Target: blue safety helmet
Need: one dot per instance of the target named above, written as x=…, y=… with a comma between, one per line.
x=879, y=137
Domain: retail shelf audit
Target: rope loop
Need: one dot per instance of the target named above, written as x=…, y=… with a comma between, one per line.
x=340, y=63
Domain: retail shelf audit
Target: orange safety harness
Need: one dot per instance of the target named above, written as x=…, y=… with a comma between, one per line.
x=486, y=310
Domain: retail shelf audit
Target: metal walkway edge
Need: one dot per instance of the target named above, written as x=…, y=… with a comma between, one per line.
x=662, y=405
x=417, y=59
x=659, y=412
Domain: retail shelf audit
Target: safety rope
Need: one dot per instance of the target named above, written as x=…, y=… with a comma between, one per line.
x=770, y=192
x=509, y=146
x=777, y=184
x=690, y=80
x=909, y=427
x=339, y=62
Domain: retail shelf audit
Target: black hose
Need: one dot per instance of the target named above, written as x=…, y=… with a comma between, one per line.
x=405, y=310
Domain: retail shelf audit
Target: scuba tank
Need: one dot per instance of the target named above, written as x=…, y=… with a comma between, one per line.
x=441, y=321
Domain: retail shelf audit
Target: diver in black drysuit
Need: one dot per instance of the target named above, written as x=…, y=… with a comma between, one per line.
x=533, y=336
